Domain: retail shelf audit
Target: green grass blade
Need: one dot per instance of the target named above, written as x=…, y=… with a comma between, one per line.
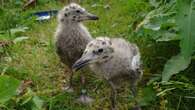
x=185, y=20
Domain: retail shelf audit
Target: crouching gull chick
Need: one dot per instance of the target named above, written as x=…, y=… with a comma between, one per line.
x=71, y=35
x=113, y=59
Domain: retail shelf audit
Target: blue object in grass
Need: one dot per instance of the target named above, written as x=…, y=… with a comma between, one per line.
x=45, y=15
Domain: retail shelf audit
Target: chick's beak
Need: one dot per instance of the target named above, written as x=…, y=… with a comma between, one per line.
x=80, y=64
x=92, y=16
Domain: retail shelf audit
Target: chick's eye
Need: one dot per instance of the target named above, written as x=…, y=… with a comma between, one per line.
x=78, y=11
x=100, y=50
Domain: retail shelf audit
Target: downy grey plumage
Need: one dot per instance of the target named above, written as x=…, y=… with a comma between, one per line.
x=71, y=35
x=113, y=59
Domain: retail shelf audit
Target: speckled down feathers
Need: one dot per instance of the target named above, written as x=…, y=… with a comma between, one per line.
x=71, y=42
x=125, y=62
x=71, y=39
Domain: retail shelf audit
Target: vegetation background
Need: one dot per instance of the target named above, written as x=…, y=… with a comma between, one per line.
x=31, y=75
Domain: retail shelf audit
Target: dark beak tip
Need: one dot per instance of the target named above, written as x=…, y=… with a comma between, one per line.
x=94, y=18
x=74, y=67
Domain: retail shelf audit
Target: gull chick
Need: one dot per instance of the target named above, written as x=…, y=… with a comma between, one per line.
x=113, y=59
x=71, y=35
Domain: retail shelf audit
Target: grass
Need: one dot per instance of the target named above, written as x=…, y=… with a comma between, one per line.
x=35, y=59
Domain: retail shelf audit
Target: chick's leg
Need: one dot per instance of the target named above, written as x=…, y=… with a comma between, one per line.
x=134, y=93
x=134, y=89
x=113, y=96
x=84, y=98
x=69, y=86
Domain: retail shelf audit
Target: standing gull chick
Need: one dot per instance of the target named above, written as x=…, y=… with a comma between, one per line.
x=113, y=59
x=71, y=35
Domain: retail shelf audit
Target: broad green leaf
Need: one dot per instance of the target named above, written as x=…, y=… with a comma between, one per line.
x=185, y=20
x=8, y=87
x=174, y=66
